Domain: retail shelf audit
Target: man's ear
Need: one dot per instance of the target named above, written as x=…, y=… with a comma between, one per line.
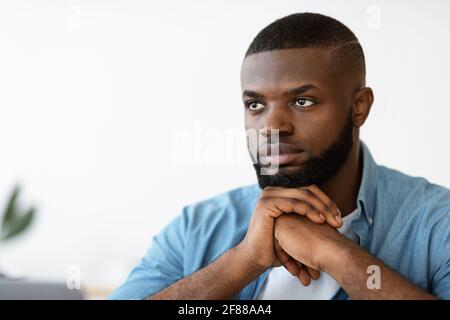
x=362, y=102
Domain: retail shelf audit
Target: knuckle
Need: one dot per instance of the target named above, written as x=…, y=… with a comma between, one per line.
x=265, y=200
x=298, y=206
x=264, y=193
x=308, y=209
x=315, y=212
x=332, y=205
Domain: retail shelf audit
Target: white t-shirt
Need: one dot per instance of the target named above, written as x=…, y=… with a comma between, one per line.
x=281, y=285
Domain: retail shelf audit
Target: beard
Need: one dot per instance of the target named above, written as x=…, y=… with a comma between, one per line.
x=317, y=169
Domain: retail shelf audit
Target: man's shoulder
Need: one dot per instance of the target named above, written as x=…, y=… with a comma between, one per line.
x=422, y=194
x=231, y=197
x=237, y=201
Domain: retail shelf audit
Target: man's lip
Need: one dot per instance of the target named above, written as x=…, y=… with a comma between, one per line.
x=285, y=155
x=283, y=149
x=284, y=159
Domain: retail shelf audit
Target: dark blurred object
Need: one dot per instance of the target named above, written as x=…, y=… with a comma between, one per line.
x=33, y=290
x=15, y=221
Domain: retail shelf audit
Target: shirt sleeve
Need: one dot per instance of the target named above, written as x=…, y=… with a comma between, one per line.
x=441, y=260
x=161, y=266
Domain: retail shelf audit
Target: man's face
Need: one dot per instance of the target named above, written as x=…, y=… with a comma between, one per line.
x=305, y=95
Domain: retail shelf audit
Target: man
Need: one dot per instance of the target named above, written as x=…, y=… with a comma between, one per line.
x=329, y=223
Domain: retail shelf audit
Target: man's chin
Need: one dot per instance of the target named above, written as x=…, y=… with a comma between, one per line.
x=284, y=179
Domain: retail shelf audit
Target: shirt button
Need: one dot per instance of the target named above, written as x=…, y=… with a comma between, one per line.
x=370, y=220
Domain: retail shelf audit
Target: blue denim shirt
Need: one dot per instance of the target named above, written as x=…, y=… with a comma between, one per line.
x=402, y=220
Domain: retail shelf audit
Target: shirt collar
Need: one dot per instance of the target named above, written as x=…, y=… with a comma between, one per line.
x=367, y=189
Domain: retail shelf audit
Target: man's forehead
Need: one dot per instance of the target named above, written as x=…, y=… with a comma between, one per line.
x=283, y=68
x=287, y=65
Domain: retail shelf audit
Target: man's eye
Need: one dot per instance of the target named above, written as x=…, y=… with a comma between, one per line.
x=255, y=106
x=303, y=102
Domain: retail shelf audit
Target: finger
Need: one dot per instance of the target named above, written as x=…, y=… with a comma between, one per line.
x=332, y=213
x=286, y=260
x=318, y=206
x=298, y=193
x=282, y=205
x=315, y=274
x=304, y=277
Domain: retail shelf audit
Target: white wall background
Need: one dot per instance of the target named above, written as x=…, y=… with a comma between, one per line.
x=94, y=96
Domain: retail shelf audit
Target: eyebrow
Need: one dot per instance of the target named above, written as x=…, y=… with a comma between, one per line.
x=293, y=91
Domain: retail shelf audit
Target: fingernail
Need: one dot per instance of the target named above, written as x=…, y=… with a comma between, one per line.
x=322, y=217
x=338, y=219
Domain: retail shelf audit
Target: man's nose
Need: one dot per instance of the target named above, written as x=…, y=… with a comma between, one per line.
x=277, y=119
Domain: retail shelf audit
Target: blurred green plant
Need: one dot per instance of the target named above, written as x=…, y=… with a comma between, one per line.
x=14, y=220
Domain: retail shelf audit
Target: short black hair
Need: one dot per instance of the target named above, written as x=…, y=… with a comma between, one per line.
x=311, y=30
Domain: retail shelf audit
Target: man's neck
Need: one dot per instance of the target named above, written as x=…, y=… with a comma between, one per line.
x=344, y=186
